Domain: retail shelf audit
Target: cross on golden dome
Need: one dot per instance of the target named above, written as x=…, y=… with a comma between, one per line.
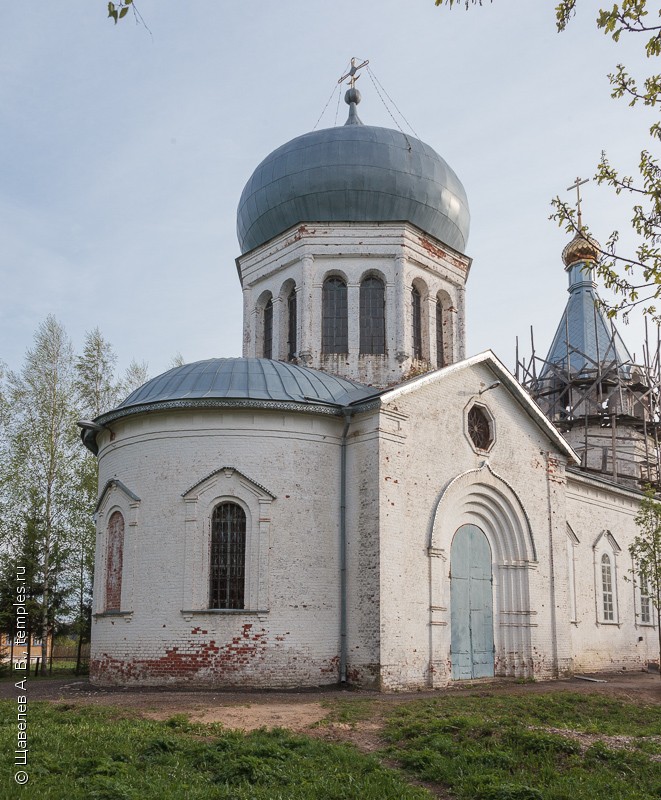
x=576, y=185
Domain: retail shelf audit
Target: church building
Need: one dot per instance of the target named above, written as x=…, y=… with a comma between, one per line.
x=354, y=500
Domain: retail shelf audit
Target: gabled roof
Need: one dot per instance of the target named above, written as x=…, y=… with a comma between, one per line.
x=507, y=380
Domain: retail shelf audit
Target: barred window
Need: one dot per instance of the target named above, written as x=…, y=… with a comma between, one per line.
x=372, y=316
x=228, y=557
x=334, y=330
x=416, y=317
x=292, y=345
x=645, y=603
x=607, y=588
x=114, y=561
x=268, y=329
x=440, y=355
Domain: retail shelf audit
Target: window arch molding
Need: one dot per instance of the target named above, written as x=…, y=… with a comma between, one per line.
x=226, y=485
x=606, y=550
x=335, y=273
x=373, y=272
x=115, y=497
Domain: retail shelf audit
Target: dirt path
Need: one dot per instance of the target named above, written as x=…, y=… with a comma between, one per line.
x=302, y=711
x=299, y=710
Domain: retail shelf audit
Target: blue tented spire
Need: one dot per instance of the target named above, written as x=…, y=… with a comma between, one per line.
x=585, y=337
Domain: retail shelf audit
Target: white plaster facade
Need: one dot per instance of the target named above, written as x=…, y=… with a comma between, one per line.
x=413, y=477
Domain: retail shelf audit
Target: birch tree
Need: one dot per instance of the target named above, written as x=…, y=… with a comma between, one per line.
x=97, y=391
x=43, y=451
x=136, y=374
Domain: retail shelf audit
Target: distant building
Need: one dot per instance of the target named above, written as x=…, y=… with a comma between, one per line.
x=354, y=499
x=15, y=649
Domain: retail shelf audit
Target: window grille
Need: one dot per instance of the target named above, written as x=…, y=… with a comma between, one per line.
x=440, y=355
x=607, y=588
x=114, y=559
x=268, y=329
x=416, y=316
x=372, y=316
x=228, y=557
x=292, y=345
x=479, y=428
x=335, y=330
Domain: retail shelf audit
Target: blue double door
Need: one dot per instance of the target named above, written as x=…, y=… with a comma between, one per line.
x=471, y=605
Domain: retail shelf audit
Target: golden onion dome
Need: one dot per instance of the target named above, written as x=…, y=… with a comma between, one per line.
x=581, y=248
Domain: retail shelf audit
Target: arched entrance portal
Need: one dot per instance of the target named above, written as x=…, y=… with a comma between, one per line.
x=471, y=605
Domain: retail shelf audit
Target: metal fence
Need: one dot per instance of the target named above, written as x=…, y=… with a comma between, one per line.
x=61, y=659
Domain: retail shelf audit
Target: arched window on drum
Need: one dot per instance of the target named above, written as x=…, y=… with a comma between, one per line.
x=334, y=322
x=416, y=322
x=372, y=316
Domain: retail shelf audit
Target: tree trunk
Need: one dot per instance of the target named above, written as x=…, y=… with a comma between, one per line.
x=81, y=604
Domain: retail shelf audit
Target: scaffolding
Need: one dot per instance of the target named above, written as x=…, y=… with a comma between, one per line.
x=609, y=410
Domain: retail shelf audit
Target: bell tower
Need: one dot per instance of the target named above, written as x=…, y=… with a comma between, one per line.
x=605, y=405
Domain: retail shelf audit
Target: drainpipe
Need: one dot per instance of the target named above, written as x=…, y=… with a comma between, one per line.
x=554, y=621
x=343, y=547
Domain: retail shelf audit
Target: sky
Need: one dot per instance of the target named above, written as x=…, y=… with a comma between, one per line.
x=125, y=150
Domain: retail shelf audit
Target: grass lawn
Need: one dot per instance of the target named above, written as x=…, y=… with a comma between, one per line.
x=557, y=746
x=522, y=747
x=97, y=754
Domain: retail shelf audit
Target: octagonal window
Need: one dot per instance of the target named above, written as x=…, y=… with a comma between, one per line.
x=480, y=428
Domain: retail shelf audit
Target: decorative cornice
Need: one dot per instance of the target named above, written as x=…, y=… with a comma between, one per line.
x=111, y=484
x=326, y=409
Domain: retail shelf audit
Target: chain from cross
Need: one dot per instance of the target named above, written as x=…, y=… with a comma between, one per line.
x=576, y=185
x=351, y=74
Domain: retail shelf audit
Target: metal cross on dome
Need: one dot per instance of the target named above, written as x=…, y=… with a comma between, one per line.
x=351, y=74
x=576, y=185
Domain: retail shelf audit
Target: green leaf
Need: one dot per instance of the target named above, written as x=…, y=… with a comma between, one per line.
x=123, y=12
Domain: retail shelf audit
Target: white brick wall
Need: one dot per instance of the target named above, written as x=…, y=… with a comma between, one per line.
x=592, y=509
x=413, y=478
x=293, y=638
x=398, y=253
